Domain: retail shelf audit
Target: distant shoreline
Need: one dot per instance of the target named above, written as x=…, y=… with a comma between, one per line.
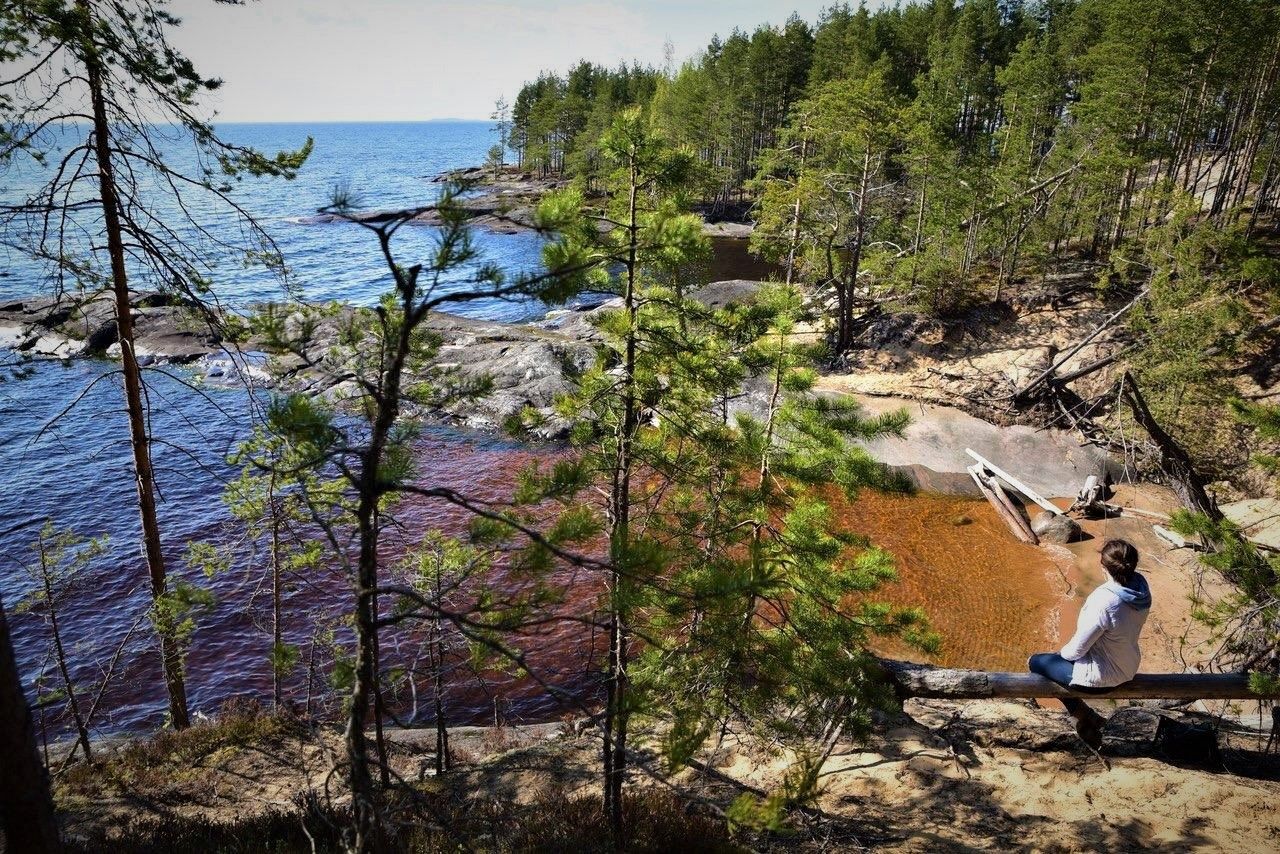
x=306, y=122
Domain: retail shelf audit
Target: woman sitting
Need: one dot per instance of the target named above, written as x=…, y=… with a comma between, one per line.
x=1104, y=652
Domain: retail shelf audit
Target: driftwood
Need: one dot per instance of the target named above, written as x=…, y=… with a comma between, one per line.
x=1013, y=482
x=927, y=681
x=1003, y=508
x=1174, y=460
x=1117, y=510
x=1015, y=512
x=1089, y=498
x=1022, y=394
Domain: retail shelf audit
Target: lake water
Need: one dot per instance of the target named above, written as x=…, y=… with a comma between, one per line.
x=385, y=165
x=78, y=471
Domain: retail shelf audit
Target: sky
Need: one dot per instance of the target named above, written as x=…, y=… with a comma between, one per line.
x=410, y=60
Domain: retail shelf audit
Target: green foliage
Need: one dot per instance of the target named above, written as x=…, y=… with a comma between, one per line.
x=1265, y=421
x=176, y=611
x=1245, y=623
x=1004, y=135
x=1192, y=326
x=61, y=559
x=284, y=657
x=723, y=554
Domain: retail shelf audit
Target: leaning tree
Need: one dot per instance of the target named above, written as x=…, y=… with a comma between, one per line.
x=134, y=190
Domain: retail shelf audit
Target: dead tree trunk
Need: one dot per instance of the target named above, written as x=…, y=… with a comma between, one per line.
x=1174, y=460
x=1024, y=393
x=926, y=681
x=26, y=811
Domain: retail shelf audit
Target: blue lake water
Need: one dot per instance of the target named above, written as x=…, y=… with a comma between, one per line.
x=385, y=165
x=78, y=472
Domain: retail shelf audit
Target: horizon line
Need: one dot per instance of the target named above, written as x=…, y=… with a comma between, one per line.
x=220, y=120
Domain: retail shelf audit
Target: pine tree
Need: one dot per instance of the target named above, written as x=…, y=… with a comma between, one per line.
x=128, y=81
x=714, y=524
x=61, y=557
x=836, y=164
x=385, y=355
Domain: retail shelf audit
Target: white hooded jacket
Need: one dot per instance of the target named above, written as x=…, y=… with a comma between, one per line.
x=1105, y=647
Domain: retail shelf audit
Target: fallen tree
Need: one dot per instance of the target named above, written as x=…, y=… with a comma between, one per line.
x=930, y=682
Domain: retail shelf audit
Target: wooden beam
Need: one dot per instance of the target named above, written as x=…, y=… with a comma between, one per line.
x=927, y=681
x=1013, y=482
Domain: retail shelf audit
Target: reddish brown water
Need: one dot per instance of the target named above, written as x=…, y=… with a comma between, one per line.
x=992, y=599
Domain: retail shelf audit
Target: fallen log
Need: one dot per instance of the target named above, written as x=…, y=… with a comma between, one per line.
x=1014, y=511
x=1034, y=188
x=1021, y=395
x=941, y=683
x=1090, y=368
x=1174, y=460
x=1002, y=511
x=1014, y=482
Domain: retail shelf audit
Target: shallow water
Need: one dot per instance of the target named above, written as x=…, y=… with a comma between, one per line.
x=994, y=600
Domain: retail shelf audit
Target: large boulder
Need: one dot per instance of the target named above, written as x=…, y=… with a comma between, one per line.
x=1053, y=528
x=725, y=293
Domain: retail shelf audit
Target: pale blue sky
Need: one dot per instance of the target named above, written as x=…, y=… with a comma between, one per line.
x=362, y=60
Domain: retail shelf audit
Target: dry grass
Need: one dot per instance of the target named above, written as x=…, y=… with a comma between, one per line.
x=170, y=765
x=655, y=822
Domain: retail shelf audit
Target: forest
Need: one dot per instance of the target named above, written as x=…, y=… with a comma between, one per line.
x=651, y=547
x=890, y=153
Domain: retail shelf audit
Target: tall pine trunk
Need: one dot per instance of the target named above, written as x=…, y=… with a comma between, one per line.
x=617, y=714
x=170, y=653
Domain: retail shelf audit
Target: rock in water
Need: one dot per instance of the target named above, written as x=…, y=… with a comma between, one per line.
x=1052, y=528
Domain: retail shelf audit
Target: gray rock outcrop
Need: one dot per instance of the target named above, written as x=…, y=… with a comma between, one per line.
x=1053, y=528
x=165, y=327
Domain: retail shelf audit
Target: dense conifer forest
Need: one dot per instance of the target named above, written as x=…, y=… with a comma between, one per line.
x=897, y=149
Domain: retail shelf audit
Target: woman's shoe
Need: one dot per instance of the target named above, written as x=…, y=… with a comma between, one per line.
x=1089, y=728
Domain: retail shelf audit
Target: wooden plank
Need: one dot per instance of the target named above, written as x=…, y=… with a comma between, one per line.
x=1013, y=482
x=927, y=681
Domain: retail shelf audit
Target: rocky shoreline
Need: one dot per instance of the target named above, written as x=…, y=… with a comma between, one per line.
x=504, y=201
x=529, y=365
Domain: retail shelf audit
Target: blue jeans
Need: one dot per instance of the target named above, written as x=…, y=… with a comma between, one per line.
x=1055, y=668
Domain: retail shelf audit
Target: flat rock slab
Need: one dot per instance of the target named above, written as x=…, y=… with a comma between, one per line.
x=737, y=230
x=1259, y=518
x=1051, y=462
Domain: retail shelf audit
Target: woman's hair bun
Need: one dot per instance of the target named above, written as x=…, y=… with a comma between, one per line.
x=1120, y=559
